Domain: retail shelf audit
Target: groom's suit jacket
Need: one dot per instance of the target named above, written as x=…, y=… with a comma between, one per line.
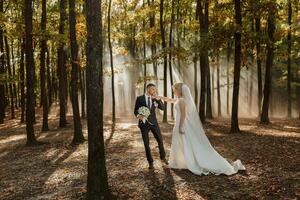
x=141, y=101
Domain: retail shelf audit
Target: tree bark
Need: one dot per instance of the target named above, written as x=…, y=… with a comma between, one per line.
x=163, y=45
x=218, y=86
x=82, y=90
x=178, y=34
x=298, y=74
x=82, y=87
x=213, y=87
x=298, y=89
x=252, y=71
x=153, y=45
x=170, y=54
x=203, y=66
x=251, y=89
x=11, y=93
x=22, y=79
x=55, y=76
x=144, y=55
x=264, y=119
x=237, y=68
x=49, y=82
x=2, y=71
x=43, y=44
x=229, y=49
x=209, y=114
x=111, y=64
x=77, y=136
x=196, y=79
x=30, y=75
x=97, y=184
x=14, y=75
x=289, y=50
x=258, y=62
x=62, y=73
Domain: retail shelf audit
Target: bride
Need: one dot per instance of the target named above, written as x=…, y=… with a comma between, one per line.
x=190, y=148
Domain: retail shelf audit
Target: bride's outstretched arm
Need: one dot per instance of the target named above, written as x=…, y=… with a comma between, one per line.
x=167, y=99
x=182, y=115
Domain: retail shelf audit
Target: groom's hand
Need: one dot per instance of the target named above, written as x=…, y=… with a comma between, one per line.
x=140, y=117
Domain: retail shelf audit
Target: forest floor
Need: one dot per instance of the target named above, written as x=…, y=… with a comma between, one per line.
x=57, y=170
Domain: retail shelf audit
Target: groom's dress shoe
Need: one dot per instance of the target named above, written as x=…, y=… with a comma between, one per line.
x=151, y=166
x=165, y=161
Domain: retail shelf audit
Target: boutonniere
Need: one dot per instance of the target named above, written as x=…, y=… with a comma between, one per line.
x=155, y=104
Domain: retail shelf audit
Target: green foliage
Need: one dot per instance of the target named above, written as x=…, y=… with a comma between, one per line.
x=130, y=27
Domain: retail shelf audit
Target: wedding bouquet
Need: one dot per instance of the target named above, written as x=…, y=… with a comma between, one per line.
x=145, y=112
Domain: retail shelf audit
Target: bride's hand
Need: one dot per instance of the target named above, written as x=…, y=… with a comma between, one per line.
x=162, y=98
x=181, y=131
x=156, y=98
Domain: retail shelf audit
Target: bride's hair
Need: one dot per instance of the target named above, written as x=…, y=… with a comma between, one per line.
x=178, y=86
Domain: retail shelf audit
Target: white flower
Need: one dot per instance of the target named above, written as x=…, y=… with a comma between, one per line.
x=145, y=112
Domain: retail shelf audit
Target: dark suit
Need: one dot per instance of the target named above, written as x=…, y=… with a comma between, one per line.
x=153, y=127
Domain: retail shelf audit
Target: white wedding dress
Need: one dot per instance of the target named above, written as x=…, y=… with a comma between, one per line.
x=192, y=150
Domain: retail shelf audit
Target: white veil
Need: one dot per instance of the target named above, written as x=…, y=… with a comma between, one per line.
x=198, y=149
x=192, y=117
x=191, y=108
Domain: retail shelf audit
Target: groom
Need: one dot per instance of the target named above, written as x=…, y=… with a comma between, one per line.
x=152, y=102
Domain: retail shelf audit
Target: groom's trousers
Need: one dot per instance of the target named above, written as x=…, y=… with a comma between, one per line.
x=145, y=129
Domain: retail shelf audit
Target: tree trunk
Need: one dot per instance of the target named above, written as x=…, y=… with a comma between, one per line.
x=62, y=73
x=258, y=62
x=111, y=65
x=178, y=15
x=213, y=87
x=11, y=93
x=14, y=75
x=196, y=79
x=2, y=71
x=77, y=136
x=251, y=89
x=298, y=74
x=163, y=45
x=144, y=57
x=22, y=79
x=252, y=71
x=264, y=119
x=44, y=97
x=203, y=66
x=289, y=75
x=82, y=85
x=209, y=114
x=97, y=184
x=237, y=69
x=153, y=45
x=18, y=73
x=49, y=83
x=145, y=65
x=30, y=75
x=82, y=89
x=55, y=76
x=218, y=86
x=298, y=89
x=228, y=76
x=170, y=54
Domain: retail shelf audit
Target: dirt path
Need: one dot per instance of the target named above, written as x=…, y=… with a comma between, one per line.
x=57, y=170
